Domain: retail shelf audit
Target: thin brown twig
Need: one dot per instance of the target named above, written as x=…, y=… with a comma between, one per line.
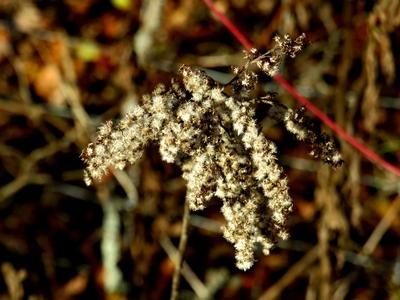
x=28, y=165
x=72, y=94
x=295, y=271
x=195, y=283
x=30, y=110
x=179, y=257
x=23, y=85
x=382, y=227
x=370, y=246
x=14, y=280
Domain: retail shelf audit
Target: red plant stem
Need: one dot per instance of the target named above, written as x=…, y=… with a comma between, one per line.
x=371, y=155
x=368, y=153
x=228, y=24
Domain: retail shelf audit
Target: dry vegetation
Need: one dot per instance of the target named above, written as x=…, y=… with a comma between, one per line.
x=69, y=66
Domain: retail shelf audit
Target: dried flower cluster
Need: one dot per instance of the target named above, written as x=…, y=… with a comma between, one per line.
x=215, y=139
x=270, y=61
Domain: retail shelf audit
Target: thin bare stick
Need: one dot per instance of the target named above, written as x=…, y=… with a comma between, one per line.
x=27, y=170
x=195, y=283
x=127, y=184
x=179, y=258
x=72, y=94
x=369, y=247
x=23, y=84
x=296, y=270
x=382, y=227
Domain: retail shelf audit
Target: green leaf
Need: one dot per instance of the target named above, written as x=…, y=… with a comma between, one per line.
x=122, y=4
x=88, y=51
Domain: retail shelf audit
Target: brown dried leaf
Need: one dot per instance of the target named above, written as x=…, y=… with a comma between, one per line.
x=48, y=84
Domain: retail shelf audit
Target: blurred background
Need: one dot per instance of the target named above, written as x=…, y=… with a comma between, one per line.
x=66, y=66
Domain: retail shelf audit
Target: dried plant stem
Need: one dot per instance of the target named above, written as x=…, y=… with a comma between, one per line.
x=27, y=173
x=195, y=283
x=369, y=247
x=374, y=239
x=179, y=257
x=368, y=153
x=296, y=270
x=72, y=94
